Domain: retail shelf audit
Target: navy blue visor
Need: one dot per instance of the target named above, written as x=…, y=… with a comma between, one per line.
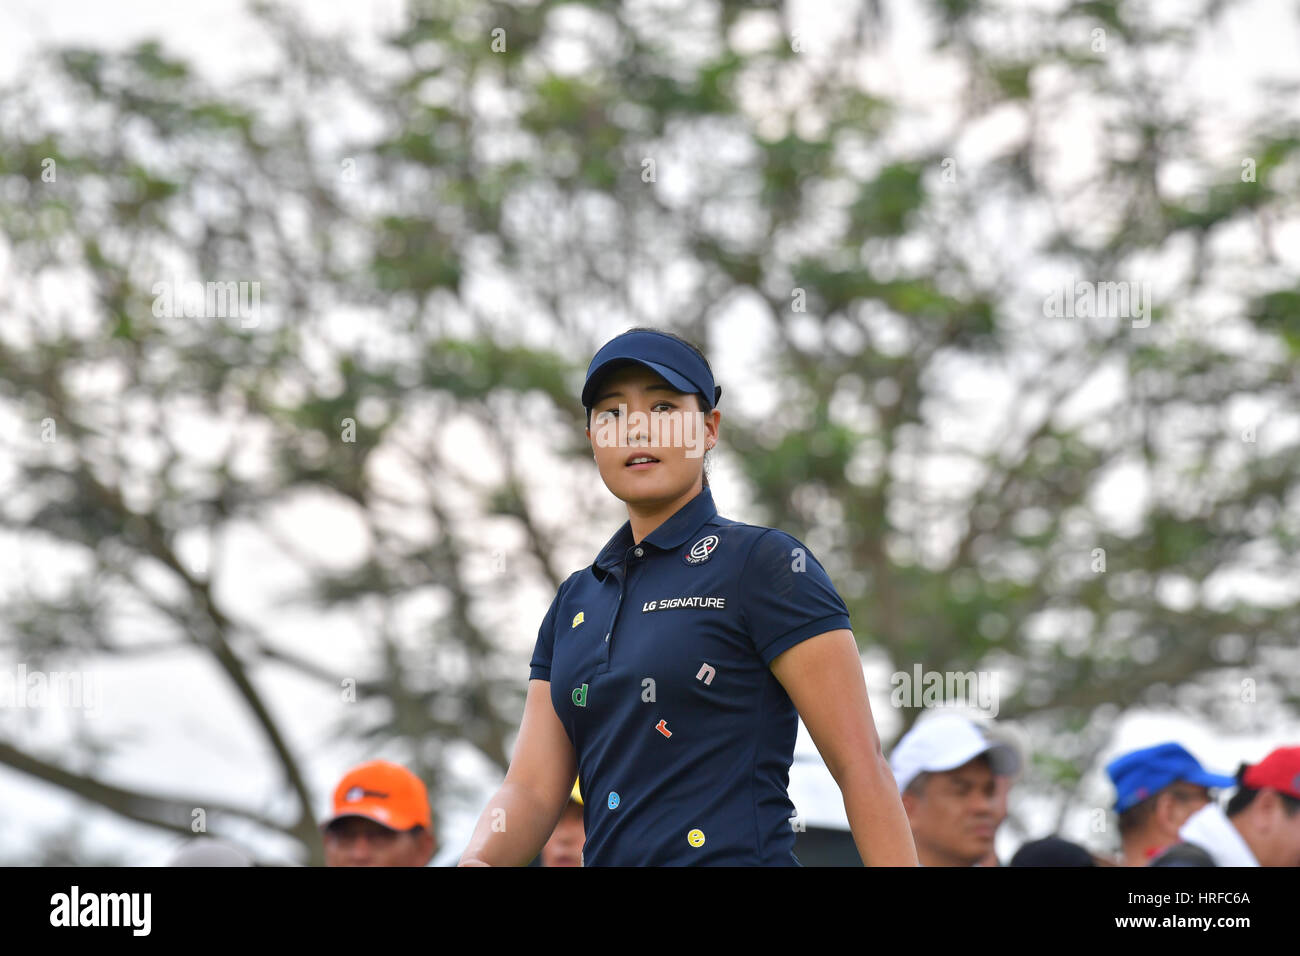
x=677, y=363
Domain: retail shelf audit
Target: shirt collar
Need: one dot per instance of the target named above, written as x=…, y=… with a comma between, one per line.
x=673, y=533
x=1211, y=830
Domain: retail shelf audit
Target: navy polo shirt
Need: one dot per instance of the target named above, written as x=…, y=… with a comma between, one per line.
x=658, y=659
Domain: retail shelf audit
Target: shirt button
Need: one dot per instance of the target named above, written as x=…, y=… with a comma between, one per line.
x=639, y=551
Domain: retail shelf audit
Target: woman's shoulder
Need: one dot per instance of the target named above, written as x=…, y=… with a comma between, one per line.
x=568, y=582
x=757, y=540
x=753, y=532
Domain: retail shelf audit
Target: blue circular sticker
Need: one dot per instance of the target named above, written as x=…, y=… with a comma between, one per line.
x=613, y=799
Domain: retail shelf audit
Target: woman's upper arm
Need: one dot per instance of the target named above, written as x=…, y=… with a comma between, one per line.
x=823, y=676
x=544, y=762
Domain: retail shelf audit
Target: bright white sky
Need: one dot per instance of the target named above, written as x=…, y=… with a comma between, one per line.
x=210, y=748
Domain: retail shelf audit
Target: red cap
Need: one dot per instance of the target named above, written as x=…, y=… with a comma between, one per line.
x=384, y=792
x=1279, y=771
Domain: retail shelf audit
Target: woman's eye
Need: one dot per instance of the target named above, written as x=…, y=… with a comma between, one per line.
x=656, y=407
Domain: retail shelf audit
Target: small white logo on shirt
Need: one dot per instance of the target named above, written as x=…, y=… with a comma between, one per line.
x=702, y=550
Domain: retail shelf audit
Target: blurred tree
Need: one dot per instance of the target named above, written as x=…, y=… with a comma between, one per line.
x=442, y=239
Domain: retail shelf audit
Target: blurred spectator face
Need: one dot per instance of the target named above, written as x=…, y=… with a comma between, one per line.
x=356, y=841
x=564, y=848
x=1153, y=824
x=381, y=817
x=955, y=814
x=1002, y=785
x=1274, y=837
x=1184, y=800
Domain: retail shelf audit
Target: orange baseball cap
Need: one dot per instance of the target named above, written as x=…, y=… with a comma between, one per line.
x=384, y=792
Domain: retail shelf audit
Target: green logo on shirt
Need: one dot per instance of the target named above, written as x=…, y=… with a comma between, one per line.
x=580, y=695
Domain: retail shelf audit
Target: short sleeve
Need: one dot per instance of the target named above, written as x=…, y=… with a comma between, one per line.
x=542, y=650
x=786, y=595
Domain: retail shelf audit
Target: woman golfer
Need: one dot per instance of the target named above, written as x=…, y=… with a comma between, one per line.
x=668, y=673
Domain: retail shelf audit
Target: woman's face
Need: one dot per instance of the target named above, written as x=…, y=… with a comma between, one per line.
x=661, y=423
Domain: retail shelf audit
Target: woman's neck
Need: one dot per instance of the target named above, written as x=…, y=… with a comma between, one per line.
x=645, y=516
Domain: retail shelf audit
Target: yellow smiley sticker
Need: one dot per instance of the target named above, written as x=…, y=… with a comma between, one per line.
x=695, y=838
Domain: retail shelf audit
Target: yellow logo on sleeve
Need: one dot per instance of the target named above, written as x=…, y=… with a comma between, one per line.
x=577, y=619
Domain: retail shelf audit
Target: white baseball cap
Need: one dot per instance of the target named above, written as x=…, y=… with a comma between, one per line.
x=946, y=742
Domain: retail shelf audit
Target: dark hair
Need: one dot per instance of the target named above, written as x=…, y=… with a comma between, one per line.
x=1246, y=795
x=1136, y=817
x=699, y=400
x=1052, y=851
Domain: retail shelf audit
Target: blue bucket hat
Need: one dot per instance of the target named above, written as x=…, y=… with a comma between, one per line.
x=678, y=363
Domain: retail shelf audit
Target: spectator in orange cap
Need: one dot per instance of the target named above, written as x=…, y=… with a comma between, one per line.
x=564, y=848
x=381, y=818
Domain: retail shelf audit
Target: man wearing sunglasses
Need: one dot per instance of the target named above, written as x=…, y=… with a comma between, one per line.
x=381, y=818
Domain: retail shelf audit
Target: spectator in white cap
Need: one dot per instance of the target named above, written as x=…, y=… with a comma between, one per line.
x=948, y=769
